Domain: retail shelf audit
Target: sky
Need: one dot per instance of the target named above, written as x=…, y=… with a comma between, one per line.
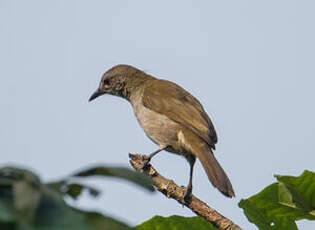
x=250, y=63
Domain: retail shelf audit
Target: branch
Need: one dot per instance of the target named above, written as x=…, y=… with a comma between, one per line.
x=172, y=190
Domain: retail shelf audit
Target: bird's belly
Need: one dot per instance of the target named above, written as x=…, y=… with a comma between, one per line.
x=159, y=128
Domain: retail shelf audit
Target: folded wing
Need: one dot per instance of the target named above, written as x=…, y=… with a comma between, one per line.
x=169, y=99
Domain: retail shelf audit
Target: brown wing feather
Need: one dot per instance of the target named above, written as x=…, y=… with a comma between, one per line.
x=167, y=98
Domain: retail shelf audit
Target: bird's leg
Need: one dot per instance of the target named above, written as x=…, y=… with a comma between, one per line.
x=147, y=158
x=192, y=160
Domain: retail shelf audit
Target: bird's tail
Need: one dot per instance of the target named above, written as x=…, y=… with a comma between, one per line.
x=215, y=172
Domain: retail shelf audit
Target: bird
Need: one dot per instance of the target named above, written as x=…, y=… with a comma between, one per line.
x=171, y=117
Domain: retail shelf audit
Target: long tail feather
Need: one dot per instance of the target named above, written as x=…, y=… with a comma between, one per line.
x=215, y=172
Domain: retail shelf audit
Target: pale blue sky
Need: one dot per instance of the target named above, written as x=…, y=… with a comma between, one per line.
x=251, y=64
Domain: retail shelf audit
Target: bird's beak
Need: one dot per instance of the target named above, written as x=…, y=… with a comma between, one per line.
x=96, y=94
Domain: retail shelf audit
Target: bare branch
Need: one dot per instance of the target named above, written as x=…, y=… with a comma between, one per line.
x=172, y=190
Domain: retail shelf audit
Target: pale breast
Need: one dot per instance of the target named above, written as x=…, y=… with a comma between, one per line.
x=159, y=128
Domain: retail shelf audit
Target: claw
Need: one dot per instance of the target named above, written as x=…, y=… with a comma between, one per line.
x=146, y=160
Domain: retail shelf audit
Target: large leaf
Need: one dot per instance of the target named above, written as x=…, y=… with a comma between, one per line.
x=303, y=193
x=279, y=205
x=26, y=203
x=119, y=172
x=19, y=194
x=176, y=223
x=97, y=222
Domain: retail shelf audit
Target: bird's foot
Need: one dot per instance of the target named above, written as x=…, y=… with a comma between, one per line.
x=141, y=160
x=146, y=160
x=187, y=196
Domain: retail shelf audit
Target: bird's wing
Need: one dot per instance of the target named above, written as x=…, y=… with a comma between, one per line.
x=171, y=100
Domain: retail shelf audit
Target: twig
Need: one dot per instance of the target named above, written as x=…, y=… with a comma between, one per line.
x=172, y=190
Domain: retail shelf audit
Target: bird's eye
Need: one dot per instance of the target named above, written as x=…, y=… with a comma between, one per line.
x=106, y=82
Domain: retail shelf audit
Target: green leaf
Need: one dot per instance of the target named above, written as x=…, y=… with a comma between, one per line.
x=96, y=221
x=55, y=214
x=303, y=191
x=119, y=172
x=19, y=194
x=279, y=205
x=26, y=203
x=26, y=199
x=74, y=190
x=176, y=223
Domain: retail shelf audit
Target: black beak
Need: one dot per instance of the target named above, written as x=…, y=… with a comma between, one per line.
x=96, y=94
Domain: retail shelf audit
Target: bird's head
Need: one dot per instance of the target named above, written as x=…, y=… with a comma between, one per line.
x=119, y=80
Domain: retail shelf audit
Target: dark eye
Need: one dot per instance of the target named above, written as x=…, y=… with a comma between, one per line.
x=106, y=82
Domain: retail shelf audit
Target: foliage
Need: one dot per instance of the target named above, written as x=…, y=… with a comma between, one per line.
x=118, y=172
x=279, y=205
x=176, y=223
x=27, y=203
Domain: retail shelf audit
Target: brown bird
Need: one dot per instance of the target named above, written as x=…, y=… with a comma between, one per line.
x=171, y=117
